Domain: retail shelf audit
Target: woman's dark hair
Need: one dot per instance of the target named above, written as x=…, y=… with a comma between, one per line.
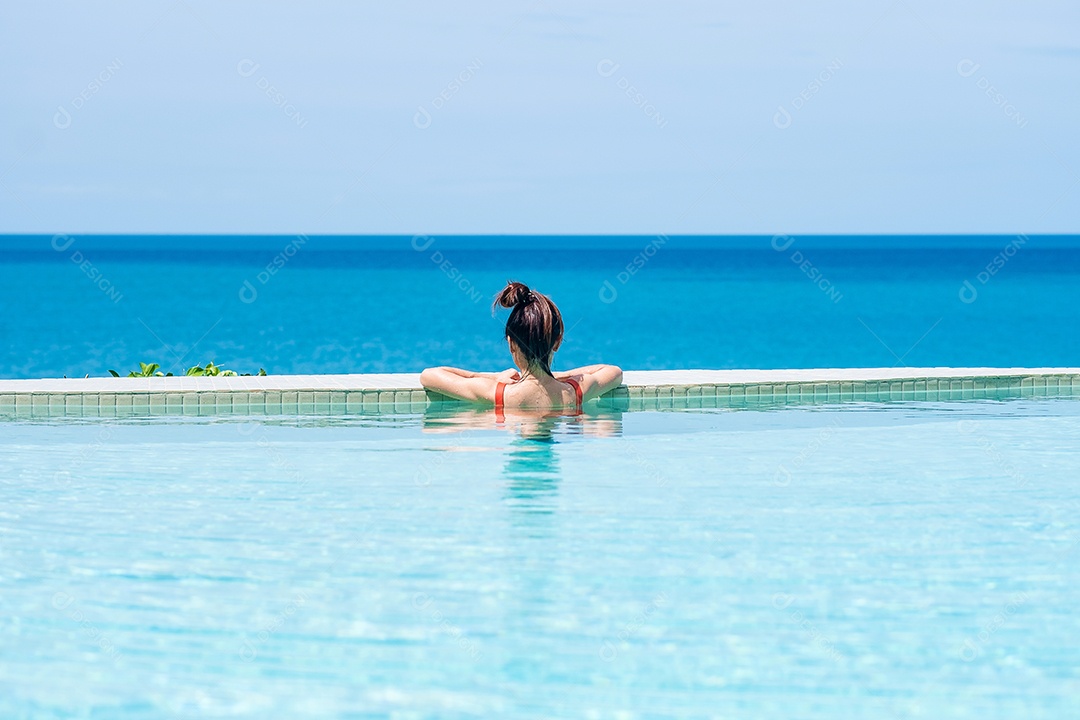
x=535, y=324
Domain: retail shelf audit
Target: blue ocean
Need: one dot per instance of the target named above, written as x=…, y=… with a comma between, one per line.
x=82, y=305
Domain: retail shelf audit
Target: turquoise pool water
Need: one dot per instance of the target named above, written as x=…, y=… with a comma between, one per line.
x=891, y=560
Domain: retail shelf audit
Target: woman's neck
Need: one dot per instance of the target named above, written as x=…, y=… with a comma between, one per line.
x=536, y=374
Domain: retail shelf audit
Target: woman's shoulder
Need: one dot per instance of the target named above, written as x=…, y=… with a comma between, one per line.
x=525, y=396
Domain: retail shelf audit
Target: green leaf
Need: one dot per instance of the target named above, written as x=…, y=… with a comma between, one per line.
x=210, y=370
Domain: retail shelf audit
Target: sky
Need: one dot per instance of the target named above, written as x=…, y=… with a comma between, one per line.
x=891, y=116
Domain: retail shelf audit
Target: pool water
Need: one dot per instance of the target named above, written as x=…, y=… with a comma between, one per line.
x=881, y=560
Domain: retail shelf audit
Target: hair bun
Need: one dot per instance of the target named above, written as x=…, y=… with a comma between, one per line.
x=514, y=293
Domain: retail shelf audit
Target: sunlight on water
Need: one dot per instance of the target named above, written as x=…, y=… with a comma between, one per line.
x=889, y=560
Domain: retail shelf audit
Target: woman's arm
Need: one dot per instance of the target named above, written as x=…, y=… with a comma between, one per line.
x=464, y=384
x=580, y=372
x=594, y=379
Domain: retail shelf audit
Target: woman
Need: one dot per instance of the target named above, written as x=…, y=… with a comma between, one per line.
x=534, y=332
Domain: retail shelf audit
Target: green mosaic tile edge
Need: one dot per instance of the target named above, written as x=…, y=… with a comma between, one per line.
x=290, y=402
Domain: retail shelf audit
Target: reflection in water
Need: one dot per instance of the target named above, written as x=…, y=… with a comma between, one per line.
x=528, y=424
x=531, y=469
x=532, y=466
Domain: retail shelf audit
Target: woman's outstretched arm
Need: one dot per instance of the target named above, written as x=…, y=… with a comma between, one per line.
x=581, y=371
x=594, y=379
x=465, y=384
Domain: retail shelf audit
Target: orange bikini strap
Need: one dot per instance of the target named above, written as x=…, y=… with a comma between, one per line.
x=499, y=390
x=577, y=389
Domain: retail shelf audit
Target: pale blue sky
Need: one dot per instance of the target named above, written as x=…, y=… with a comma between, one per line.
x=926, y=117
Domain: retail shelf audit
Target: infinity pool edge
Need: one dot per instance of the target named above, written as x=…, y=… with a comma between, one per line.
x=642, y=390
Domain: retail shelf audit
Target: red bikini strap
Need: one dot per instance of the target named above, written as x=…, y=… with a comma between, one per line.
x=499, y=390
x=577, y=389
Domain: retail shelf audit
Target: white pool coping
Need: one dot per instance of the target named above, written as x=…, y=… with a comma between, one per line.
x=411, y=381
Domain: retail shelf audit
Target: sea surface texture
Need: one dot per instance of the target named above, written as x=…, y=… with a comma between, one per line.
x=78, y=305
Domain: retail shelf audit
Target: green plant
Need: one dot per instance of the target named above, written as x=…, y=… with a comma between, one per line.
x=145, y=370
x=209, y=370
